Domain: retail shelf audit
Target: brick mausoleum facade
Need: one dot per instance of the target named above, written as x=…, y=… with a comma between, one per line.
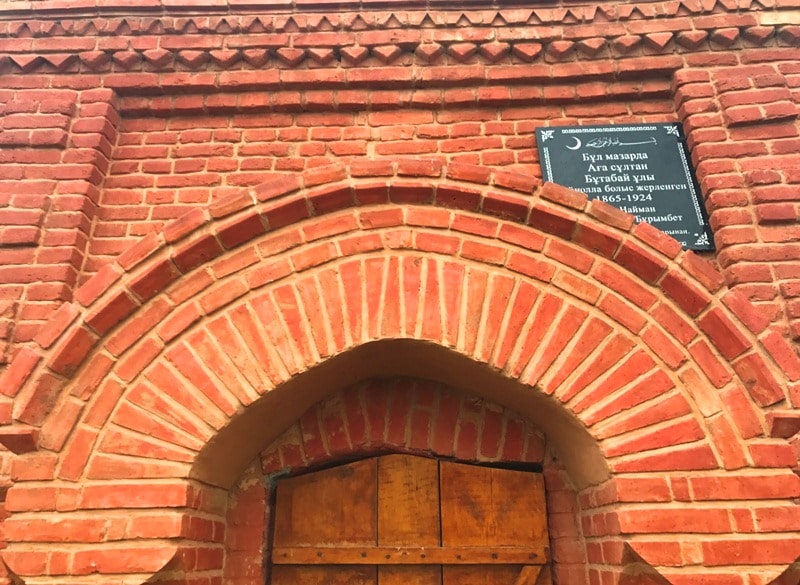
x=240, y=241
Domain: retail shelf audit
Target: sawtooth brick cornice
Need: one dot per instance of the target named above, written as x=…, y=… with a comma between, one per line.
x=45, y=37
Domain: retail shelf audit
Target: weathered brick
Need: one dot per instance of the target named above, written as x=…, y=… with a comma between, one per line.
x=190, y=147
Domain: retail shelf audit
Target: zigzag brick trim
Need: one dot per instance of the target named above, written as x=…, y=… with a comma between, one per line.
x=227, y=9
x=232, y=42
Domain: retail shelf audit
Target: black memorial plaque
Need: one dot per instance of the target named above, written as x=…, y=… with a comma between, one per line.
x=643, y=169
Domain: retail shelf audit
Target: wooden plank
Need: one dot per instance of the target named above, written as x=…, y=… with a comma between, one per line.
x=404, y=575
x=480, y=575
x=484, y=506
x=528, y=575
x=322, y=575
x=406, y=555
x=545, y=577
x=407, y=520
x=333, y=505
x=408, y=501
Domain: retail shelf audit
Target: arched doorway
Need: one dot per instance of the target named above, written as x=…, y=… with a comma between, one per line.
x=409, y=519
x=433, y=425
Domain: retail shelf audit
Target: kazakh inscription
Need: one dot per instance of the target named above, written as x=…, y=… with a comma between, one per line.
x=643, y=169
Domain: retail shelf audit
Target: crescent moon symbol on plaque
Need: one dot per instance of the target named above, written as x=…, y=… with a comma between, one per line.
x=577, y=143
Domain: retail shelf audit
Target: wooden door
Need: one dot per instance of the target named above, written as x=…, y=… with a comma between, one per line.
x=406, y=520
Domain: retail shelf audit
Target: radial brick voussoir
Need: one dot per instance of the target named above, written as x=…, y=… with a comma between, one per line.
x=196, y=249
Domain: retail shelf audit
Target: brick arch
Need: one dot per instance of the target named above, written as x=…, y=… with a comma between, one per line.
x=196, y=333
x=220, y=462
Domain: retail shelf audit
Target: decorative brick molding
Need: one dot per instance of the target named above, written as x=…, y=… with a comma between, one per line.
x=231, y=43
x=271, y=47
x=649, y=379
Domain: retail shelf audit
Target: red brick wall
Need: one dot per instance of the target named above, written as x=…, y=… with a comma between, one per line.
x=743, y=121
x=555, y=322
x=56, y=146
x=205, y=211
x=163, y=168
x=298, y=75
